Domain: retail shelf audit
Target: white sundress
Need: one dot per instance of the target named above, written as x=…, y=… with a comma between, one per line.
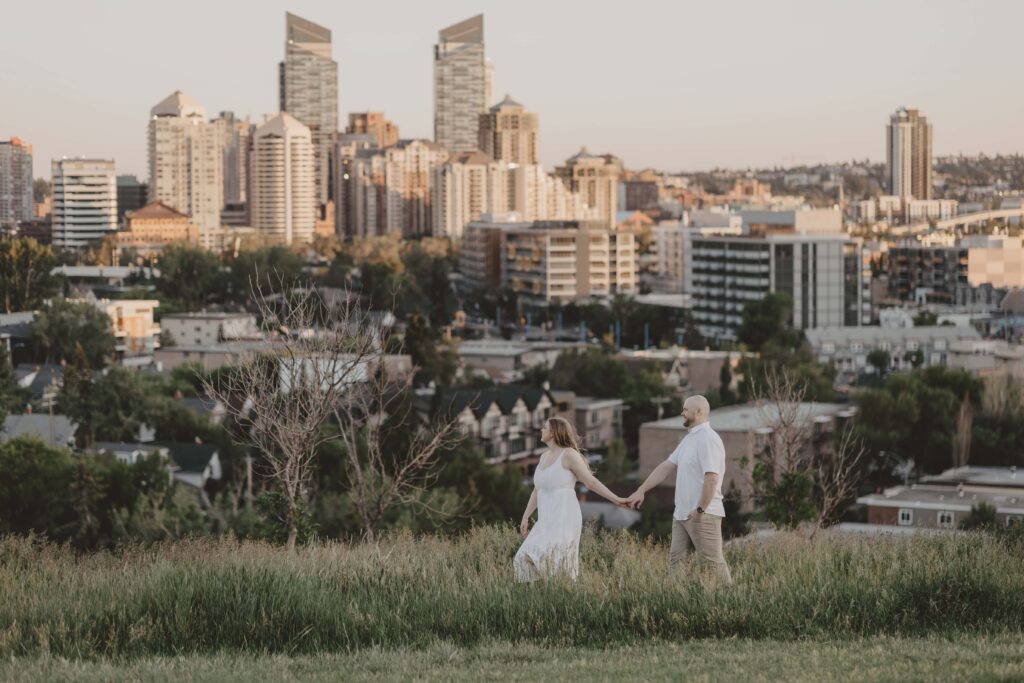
x=553, y=545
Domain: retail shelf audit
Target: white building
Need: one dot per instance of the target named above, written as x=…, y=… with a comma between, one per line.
x=208, y=329
x=462, y=84
x=466, y=187
x=186, y=162
x=283, y=184
x=84, y=201
x=909, y=154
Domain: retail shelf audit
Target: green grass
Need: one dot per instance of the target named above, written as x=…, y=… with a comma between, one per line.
x=220, y=597
x=999, y=658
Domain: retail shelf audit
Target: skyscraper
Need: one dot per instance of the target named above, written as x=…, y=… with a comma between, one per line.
x=508, y=132
x=283, y=184
x=373, y=122
x=186, y=166
x=462, y=85
x=308, y=80
x=595, y=179
x=84, y=201
x=908, y=154
x=236, y=157
x=15, y=182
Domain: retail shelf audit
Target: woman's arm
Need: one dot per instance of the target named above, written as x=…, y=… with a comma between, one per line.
x=524, y=526
x=578, y=466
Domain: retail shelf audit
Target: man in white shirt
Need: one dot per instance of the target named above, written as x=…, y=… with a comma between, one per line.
x=699, y=464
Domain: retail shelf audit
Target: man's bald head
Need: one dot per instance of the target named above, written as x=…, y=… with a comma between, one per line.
x=696, y=410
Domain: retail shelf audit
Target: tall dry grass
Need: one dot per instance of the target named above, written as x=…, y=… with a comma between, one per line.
x=220, y=595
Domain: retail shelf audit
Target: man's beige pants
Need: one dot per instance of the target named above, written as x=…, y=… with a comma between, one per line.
x=702, y=533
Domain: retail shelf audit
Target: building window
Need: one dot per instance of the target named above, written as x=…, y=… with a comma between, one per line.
x=828, y=347
x=856, y=347
x=911, y=346
x=945, y=519
x=906, y=517
x=595, y=417
x=940, y=345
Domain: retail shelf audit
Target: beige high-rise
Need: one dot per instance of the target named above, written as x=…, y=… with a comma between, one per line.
x=908, y=154
x=596, y=180
x=373, y=123
x=508, y=132
x=392, y=189
x=186, y=166
x=468, y=186
x=283, y=182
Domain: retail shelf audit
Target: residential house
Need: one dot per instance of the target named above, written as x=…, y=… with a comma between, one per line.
x=54, y=430
x=598, y=421
x=943, y=501
x=43, y=383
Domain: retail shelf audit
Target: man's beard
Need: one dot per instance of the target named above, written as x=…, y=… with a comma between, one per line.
x=687, y=422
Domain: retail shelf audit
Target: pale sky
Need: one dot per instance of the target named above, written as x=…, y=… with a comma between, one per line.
x=673, y=85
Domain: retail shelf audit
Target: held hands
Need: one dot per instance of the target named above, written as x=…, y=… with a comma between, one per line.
x=524, y=527
x=635, y=500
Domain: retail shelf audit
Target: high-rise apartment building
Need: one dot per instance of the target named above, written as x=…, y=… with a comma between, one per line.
x=508, y=132
x=596, y=180
x=309, y=91
x=348, y=147
x=236, y=157
x=383, y=131
x=84, y=201
x=546, y=261
x=908, y=154
x=283, y=184
x=392, y=188
x=131, y=195
x=462, y=85
x=468, y=186
x=15, y=182
x=823, y=275
x=186, y=166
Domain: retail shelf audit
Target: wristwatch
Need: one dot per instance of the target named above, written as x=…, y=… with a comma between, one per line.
x=700, y=510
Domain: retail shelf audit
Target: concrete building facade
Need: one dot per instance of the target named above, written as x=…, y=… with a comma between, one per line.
x=508, y=132
x=148, y=230
x=908, y=154
x=373, y=123
x=84, y=201
x=596, y=180
x=308, y=89
x=15, y=182
x=283, y=183
x=462, y=85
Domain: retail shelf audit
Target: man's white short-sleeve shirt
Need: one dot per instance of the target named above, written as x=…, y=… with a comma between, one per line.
x=700, y=451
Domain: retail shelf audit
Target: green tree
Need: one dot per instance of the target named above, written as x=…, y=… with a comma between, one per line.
x=25, y=279
x=35, y=482
x=879, y=359
x=926, y=319
x=790, y=500
x=981, y=516
x=12, y=397
x=272, y=269
x=765, y=320
x=433, y=364
x=615, y=466
x=189, y=276
x=64, y=326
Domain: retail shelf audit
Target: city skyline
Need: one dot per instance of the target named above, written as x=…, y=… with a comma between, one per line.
x=667, y=96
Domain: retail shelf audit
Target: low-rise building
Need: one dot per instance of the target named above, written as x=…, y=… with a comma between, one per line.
x=744, y=429
x=506, y=361
x=136, y=335
x=847, y=348
x=688, y=371
x=944, y=501
x=153, y=227
x=209, y=328
x=598, y=421
x=987, y=358
x=53, y=430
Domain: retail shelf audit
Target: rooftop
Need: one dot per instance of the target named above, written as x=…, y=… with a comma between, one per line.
x=748, y=417
x=591, y=403
x=156, y=210
x=818, y=335
x=55, y=430
x=936, y=497
x=979, y=476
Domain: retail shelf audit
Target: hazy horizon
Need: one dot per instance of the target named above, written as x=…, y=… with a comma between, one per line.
x=678, y=88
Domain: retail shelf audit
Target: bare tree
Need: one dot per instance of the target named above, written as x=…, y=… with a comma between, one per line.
x=383, y=469
x=834, y=468
x=282, y=399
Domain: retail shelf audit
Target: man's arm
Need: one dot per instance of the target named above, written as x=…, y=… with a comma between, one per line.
x=707, y=491
x=653, y=479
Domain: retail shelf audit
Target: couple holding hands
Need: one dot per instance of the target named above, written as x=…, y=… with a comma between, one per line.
x=552, y=546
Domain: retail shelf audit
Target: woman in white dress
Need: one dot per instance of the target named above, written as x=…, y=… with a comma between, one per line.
x=552, y=547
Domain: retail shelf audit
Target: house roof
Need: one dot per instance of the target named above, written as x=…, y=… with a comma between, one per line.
x=480, y=400
x=132, y=447
x=200, y=405
x=1013, y=302
x=17, y=324
x=38, y=377
x=747, y=417
x=945, y=497
x=979, y=476
x=189, y=457
x=844, y=335
x=56, y=430
x=155, y=210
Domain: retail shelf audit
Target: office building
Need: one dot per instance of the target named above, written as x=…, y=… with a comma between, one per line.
x=373, y=123
x=283, y=184
x=15, y=182
x=908, y=154
x=84, y=201
x=186, y=169
x=392, y=188
x=462, y=84
x=823, y=275
x=508, y=132
x=308, y=79
x=596, y=180
x=131, y=195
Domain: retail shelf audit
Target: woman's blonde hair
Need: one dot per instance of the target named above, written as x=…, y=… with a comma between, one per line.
x=563, y=434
